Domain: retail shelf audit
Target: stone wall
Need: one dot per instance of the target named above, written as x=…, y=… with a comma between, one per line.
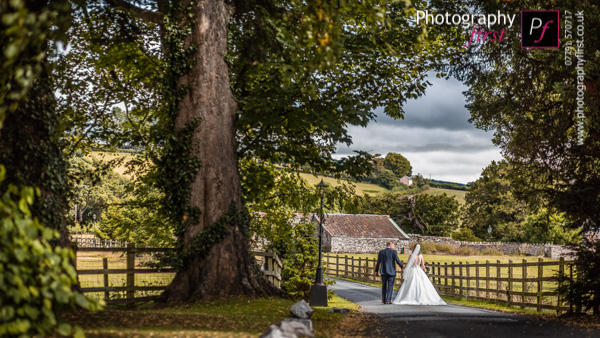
x=361, y=245
x=547, y=250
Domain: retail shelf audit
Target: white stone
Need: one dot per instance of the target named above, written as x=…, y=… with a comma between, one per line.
x=296, y=326
x=301, y=310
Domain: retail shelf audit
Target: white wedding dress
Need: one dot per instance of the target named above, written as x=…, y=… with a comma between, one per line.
x=416, y=289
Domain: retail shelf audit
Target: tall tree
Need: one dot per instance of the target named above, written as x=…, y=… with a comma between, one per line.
x=490, y=201
x=552, y=150
x=398, y=164
x=435, y=215
x=300, y=72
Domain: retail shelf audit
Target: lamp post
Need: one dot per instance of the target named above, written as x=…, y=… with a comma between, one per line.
x=489, y=232
x=318, y=291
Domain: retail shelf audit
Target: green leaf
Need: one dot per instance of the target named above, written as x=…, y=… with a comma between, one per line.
x=64, y=329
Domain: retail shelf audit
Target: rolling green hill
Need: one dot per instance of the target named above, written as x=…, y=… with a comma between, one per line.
x=361, y=188
x=458, y=194
x=373, y=189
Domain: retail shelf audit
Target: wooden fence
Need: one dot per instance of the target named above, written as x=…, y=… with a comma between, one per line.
x=130, y=280
x=91, y=241
x=524, y=284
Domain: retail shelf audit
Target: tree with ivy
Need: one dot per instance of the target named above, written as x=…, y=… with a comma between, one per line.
x=37, y=278
x=277, y=82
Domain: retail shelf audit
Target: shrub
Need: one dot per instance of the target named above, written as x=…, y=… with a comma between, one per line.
x=300, y=262
x=36, y=279
x=465, y=234
x=444, y=248
x=583, y=288
x=491, y=252
x=465, y=251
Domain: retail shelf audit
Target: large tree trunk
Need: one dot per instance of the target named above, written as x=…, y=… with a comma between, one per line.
x=228, y=267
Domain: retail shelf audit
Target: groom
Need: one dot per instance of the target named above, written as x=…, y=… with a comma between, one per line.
x=387, y=259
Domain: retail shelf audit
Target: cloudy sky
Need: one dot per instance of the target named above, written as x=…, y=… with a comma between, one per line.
x=435, y=136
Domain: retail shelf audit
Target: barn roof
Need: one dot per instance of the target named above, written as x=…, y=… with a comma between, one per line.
x=362, y=225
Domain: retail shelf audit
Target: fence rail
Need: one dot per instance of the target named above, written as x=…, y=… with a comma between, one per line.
x=114, y=289
x=524, y=284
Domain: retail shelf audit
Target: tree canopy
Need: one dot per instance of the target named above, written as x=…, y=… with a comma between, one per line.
x=398, y=164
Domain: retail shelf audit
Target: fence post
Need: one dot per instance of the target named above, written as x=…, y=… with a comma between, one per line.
x=453, y=283
x=571, y=287
x=510, y=282
x=540, y=284
x=477, y=279
x=105, y=275
x=337, y=265
x=270, y=268
x=468, y=280
x=460, y=274
x=498, y=276
x=487, y=279
x=360, y=269
x=446, y=275
x=561, y=272
x=130, y=273
x=346, y=267
x=524, y=289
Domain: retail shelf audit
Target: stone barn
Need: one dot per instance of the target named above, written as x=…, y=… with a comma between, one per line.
x=360, y=233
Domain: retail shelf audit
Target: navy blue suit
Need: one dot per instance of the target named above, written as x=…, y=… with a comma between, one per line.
x=387, y=260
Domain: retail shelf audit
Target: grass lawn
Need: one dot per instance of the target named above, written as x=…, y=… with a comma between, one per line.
x=227, y=317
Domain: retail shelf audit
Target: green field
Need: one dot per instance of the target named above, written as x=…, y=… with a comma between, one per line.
x=361, y=188
x=110, y=156
x=458, y=194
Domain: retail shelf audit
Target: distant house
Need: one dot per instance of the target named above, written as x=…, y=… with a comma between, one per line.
x=360, y=233
x=406, y=180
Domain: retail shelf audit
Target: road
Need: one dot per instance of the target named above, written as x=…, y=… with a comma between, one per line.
x=450, y=320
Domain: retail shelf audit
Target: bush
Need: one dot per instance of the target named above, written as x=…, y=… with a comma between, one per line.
x=583, y=289
x=444, y=248
x=465, y=251
x=492, y=252
x=300, y=262
x=35, y=279
x=466, y=235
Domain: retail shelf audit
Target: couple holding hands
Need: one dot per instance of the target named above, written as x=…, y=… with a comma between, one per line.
x=416, y=288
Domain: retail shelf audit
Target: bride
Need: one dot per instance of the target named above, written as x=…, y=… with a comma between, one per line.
x=416, y=288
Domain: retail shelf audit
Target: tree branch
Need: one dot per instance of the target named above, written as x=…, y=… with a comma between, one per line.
x=144, y=14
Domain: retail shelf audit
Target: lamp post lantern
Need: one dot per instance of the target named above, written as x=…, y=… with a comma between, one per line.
x=318, y=291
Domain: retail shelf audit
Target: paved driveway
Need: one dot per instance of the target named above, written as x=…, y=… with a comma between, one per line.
x=450, y=320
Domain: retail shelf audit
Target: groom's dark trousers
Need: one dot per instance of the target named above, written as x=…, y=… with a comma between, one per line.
x=387, y=260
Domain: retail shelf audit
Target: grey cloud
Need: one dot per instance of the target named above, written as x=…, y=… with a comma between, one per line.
x=443, y=106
